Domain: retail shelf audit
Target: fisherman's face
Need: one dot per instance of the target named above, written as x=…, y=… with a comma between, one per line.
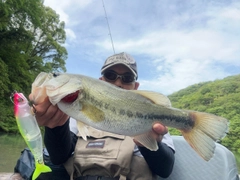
x=120, y=70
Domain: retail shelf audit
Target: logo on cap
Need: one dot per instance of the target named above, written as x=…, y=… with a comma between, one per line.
x=122, y=58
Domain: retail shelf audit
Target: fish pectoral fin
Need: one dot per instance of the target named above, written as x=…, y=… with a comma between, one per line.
x=82, y=130
x=147, y=141
x=40, y=168
x=156, y=98
x=206, y=130
x=92, y=113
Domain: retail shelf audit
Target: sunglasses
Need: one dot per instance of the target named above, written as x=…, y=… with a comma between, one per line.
x=113, y=76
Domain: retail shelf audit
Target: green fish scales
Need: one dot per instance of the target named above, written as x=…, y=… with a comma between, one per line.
x=128, y=112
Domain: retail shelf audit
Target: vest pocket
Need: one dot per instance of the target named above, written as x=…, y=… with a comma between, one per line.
x=106, y=155
x=104, y=148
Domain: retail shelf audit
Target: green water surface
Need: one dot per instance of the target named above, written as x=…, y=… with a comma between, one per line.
x=10, y=150
x=11, y=146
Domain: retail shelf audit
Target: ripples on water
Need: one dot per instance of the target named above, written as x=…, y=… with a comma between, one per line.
x=11, y=146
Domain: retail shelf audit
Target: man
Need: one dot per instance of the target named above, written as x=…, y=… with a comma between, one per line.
x=105, y=155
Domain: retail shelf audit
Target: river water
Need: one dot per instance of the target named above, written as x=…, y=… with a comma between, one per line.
x=11, y=146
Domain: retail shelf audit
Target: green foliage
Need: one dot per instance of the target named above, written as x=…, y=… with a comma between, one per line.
x=220, y=97
x=31, y=39
x=4, y=81
x=50, y=36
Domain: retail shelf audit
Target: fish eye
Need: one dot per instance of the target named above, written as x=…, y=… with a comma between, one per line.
x=55, y=74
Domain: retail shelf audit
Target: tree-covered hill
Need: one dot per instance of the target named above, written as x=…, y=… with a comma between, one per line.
x=220, y=97
x=31, y=40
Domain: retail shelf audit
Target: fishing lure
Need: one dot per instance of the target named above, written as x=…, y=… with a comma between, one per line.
x=30, y=132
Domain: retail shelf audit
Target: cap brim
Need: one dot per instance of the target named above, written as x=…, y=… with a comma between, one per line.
x=113, y=64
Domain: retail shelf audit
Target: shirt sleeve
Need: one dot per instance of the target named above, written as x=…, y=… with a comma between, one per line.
x=161, y=161
x=60, y=143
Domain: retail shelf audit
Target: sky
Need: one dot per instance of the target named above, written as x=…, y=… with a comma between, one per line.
x=176, y=43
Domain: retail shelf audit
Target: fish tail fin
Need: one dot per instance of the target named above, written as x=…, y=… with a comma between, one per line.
x=40, y=168
x=207, y=129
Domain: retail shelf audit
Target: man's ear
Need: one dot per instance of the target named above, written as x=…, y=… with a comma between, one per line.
x=136, y=85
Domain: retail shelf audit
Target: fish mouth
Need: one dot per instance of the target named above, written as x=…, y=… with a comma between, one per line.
x=70, y=97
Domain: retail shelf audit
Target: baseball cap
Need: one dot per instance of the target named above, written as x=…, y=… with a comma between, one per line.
x=121, y=58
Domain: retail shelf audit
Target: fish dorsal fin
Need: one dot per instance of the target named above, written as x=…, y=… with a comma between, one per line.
x=155, y=97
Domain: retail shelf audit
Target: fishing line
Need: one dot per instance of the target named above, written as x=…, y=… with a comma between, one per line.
x=109, y=30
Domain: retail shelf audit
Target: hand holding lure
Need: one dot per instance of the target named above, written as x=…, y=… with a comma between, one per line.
x=30, y=131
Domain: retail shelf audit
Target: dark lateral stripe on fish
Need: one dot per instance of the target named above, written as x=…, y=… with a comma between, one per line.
x=186, y=122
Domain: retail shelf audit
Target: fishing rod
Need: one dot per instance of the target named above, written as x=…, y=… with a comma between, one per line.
x=109, y=30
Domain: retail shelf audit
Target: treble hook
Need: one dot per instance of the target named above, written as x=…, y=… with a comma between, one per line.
x=12, y=96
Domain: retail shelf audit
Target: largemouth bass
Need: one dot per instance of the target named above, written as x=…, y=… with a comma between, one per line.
x=128, y=112
x=30, y=131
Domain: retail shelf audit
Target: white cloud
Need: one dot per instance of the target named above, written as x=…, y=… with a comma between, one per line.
x=178, y=75
x=65, y=8
x=58, y=7
x=182, y=43
x=70, y=34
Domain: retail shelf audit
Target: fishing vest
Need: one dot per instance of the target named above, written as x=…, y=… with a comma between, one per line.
x=109, y=155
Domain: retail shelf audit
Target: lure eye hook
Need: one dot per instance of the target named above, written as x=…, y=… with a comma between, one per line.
x=20, y=98
x=12, y=96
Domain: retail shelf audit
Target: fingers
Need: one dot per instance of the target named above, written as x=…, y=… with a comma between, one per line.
x=160, y=129
x=49, y=115
x=34, y=111
x=44, y=107
x=30, y=97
